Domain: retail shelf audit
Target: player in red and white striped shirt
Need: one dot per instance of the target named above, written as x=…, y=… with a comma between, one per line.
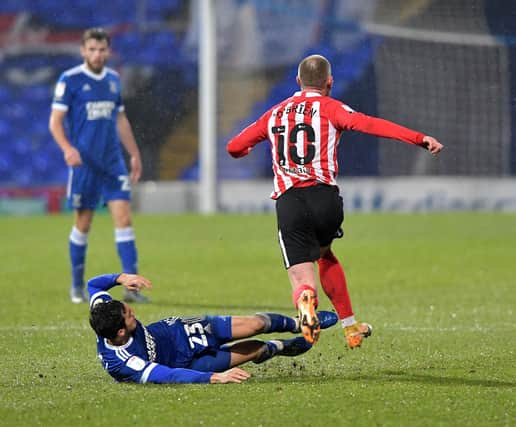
x=304, y=132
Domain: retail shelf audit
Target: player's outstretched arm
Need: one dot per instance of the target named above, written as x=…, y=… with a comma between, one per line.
x=242, y=144
x=161, y=374
x=348, y=119
x=233, y=375
x=134, y=282
x=432, y=145
x=99, y=285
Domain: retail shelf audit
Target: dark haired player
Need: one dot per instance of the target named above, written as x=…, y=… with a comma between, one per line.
x=304, y=132
x=184, y=350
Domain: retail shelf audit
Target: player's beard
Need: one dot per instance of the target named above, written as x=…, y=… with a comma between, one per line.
x=95, y=68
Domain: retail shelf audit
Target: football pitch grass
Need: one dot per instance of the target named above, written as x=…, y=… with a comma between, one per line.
x=439, y=290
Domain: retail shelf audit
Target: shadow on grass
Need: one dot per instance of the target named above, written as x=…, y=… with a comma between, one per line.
x=295, y=374
x=433, y=379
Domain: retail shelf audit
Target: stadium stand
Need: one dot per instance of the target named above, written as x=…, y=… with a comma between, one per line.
x=38, y=40
x=351, y=69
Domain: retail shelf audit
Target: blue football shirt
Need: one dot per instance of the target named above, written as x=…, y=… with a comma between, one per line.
x=92, y=102
x=160, y=352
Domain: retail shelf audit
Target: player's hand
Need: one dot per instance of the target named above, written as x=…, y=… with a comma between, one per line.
x=72, y=156
x=233, y=375
x=134, y=282
x=432, y=145
x=136, y=169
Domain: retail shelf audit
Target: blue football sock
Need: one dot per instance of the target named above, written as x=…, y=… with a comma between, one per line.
x=77, y=248
x=126, y=247
x=277, y=322
x=270, y=349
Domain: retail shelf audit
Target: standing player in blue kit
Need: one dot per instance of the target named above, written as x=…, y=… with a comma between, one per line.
x=89, y=98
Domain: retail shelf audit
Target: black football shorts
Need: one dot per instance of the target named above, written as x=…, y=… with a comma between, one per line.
x=308, y=218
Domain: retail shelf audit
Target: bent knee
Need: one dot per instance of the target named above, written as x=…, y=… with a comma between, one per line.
x=257, y=323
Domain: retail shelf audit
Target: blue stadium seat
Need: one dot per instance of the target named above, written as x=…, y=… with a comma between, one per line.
x=44, y=8
x=190, y=173
x=158, y=49
x=59, y=175
x=37, y=93
x=158, y=9
x=16, y=114
x=63, y=62
x=39, y=128
x=22, y=147
x=190, y=74
x=127, y=45
x=5, y=129
x=6, y=166
x=23, y=176
x=50, y=146
x=14, y=6
x=129, y=39
x=5, y=94
x=41, y=162
x=48, y=170
x=58, y=171
x=85, y=13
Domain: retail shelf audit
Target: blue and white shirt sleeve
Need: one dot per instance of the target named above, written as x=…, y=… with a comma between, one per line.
x=62, y=94
x=161, y=374
x=126, y=367
x=98, y=288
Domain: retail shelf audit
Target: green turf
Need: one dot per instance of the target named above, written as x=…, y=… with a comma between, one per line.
x=439, y=290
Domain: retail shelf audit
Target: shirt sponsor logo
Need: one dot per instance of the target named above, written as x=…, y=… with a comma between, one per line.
x=100, y=110
x=134, y=362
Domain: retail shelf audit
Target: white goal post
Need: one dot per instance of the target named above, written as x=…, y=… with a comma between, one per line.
x=208, y=199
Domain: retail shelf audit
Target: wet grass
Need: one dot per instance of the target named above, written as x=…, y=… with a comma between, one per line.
x=439, y=290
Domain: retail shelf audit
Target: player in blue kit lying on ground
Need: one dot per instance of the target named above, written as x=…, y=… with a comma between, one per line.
x=184, y=350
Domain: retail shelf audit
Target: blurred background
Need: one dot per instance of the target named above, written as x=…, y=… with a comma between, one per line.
x=444, y=67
